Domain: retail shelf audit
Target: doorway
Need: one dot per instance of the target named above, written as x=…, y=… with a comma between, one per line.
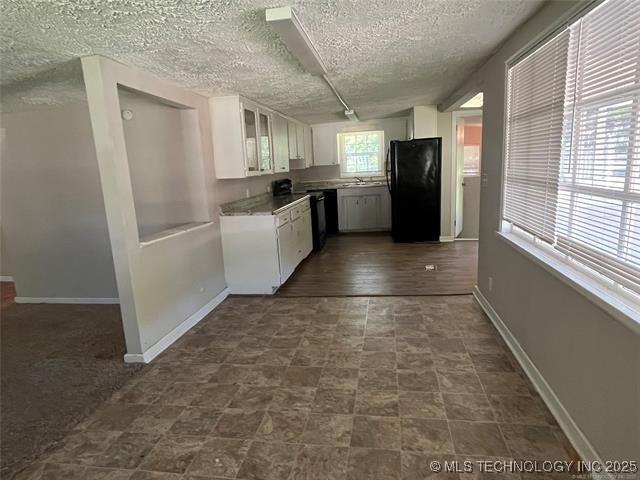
x=467, y=154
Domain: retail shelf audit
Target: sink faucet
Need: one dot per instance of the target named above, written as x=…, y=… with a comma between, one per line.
x=359, y=179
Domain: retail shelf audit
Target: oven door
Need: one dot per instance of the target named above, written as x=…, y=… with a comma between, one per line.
x=319, y=222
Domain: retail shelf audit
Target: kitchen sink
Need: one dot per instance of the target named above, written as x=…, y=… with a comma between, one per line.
x=360, y=184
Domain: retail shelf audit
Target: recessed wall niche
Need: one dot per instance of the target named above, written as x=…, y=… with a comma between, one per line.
x=165, y=163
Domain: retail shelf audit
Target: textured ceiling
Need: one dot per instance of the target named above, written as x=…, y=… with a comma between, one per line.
x=383, y=55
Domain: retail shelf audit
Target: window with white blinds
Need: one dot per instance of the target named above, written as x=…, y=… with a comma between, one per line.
x=572, y=166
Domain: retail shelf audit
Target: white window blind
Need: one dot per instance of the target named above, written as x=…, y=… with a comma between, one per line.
x=535, y=107
x=598, y=219
x=572, y=175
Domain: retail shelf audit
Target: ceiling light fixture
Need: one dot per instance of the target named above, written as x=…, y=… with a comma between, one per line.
x=351, y=115
x=287, y=25
x=292, y=33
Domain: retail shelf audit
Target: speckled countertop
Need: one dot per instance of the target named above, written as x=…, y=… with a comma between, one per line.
x=338, y=183
x=264, y=204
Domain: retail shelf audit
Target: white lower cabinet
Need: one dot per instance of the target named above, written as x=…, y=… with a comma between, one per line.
x=364, y=209
x=287, y=250
x=262, y=251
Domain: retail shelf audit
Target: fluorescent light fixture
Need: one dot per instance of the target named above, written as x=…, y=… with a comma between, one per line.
x=351, y=115
x=290, y=30
x=287, y=25
x=474, y=102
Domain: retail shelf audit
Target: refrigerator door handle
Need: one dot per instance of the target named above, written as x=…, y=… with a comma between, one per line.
x=387, y=169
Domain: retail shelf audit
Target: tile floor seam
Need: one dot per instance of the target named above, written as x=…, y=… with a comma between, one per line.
x=504, y=439
x=451, y=361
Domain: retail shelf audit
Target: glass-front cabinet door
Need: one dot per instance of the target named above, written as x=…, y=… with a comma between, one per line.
x=266, y=155
x=251, y=140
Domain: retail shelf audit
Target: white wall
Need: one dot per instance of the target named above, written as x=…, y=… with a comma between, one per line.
x=54, y=225
x=164, y=284
x=425, y=121
x=590, y=360
x=166, y=175
x=394, y=129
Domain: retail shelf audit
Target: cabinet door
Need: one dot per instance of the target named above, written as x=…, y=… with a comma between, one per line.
x=352, y=212
x=361, y=212
x=325, y=145
x=368, y=212
x=308, y=152
x=307, y=234
x=264, y=130
x=250, y=127
x=300, y=140
x=287, y=251
x=293, y=140
x=298, y=228
x=280, y=144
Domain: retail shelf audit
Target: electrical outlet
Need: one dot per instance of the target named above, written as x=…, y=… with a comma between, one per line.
x=485, y=179
x=247, y=193
x=490, y=284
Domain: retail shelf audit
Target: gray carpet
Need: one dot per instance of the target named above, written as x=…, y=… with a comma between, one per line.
x=58, y=363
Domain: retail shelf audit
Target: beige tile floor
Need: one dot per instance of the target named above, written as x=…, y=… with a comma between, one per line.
x=317, y=388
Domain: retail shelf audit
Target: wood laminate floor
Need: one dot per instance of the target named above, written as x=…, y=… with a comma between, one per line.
x=372, y=264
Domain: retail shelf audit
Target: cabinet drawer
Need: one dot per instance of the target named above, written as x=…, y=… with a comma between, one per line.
x=296, y=212
x=306, y=206
x=282, y=218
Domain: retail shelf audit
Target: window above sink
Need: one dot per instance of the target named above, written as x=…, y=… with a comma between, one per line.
x=361, y=154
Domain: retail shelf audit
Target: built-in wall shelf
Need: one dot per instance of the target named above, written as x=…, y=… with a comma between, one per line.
x=173, y=232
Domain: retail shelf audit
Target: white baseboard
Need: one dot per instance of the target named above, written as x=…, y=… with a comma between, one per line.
x=107, y=301
x=457, y=239
x=446, y=238
x=577, y=438
x=6, y=278
x=166, y=341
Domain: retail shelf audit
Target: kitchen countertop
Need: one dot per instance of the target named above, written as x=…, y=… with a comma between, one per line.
x=264, y=204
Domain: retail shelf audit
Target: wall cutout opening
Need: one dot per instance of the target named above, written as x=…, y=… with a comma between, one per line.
x=165, y=163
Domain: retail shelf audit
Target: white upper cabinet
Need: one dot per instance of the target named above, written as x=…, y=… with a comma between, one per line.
x=308, y=147
x=300, y=148
x=250, y=130
x=241, y=137
x=250, y=139
x=280, y=143
x=266, y=145
x=296, y=148
x=325, y=144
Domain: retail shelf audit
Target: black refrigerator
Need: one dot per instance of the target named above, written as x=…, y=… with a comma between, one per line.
x=413, y=176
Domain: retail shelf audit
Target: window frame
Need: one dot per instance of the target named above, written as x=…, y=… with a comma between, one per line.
x=614, y=298
x=342, y=155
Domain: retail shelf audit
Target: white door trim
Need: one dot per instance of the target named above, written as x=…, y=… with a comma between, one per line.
x=454, y=158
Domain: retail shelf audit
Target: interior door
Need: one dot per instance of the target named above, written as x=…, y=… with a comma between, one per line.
x=459, y=177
